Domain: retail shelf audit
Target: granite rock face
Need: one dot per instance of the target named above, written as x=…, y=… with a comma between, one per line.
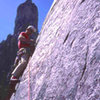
x=27, y=14
x=66, y=62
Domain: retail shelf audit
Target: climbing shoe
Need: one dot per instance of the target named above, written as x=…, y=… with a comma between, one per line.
x=14, y=79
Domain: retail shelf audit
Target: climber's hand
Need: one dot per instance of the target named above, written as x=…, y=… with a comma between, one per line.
x=32, y=40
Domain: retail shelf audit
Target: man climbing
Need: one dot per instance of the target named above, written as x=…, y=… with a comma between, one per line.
x=24, y=44
x=26, y=47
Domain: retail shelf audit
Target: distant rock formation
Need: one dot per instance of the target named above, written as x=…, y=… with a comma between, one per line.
x=66, y=62
x=27, y=14
x=8, y=49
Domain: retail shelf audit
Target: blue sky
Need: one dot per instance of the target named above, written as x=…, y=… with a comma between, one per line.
x=8, y=9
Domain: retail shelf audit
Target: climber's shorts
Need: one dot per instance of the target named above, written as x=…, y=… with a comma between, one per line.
x=18, y=71
x=23, y=51
x=20, y=53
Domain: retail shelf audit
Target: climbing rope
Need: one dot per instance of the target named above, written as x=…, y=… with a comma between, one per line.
x=29, y=82
x=34, y=73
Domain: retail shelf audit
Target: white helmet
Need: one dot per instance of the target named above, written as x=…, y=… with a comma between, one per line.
x=32, y=28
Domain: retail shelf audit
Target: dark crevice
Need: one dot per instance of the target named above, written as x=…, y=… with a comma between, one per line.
x=72, y=42
x=85, y=65
x=82, y=1
x=66, y=37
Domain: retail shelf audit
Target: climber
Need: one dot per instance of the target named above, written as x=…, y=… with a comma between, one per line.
x=26, y=48
x=25, y=45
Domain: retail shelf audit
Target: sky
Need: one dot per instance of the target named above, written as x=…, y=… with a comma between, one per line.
x=8, y=12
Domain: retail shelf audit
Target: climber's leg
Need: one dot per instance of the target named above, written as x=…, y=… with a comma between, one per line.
x=21, y=66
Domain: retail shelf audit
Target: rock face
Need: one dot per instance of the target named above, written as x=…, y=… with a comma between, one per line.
x=27, y=14
x=66, y=62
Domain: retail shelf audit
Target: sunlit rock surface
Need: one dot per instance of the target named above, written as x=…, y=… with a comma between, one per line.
x=66, y=62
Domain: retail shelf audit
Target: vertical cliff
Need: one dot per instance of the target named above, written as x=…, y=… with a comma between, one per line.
x=66, y=62
x=27, y=14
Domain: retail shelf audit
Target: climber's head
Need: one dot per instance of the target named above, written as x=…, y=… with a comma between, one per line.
x=30, y=29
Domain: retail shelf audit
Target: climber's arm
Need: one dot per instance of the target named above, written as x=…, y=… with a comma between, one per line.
x=22, y=38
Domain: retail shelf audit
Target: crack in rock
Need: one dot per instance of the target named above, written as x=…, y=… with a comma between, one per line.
x=66, y=37
x=85, y=65
x=82, y=1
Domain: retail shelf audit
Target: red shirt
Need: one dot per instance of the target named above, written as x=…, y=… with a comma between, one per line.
x=22, y=44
